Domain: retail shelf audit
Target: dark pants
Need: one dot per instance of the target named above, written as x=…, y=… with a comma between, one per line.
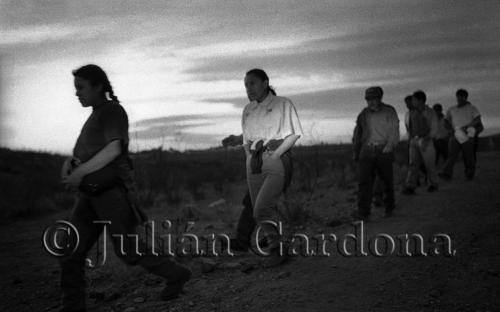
x=441, y=146
x=378, y=192
x=246, y=223
x=468, y=154
x=372, y=163
x=114, y=206
x=476, y=145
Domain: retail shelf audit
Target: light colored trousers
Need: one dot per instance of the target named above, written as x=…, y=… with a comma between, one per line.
x=265, y=190
x=422, y=150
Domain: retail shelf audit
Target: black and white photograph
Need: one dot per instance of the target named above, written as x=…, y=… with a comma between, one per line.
x=225, y=156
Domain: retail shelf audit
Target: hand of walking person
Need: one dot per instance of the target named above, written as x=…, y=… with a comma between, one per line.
x=66, y=168
x=387, y=149
x=73, y=180
x=69, y=165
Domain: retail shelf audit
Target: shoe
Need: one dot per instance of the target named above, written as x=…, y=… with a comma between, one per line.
x=388, y=214
x=359, y=217
x=444, y=176
x=174, y=288
x=432, y=188
x=469, y=177
x=408, y=191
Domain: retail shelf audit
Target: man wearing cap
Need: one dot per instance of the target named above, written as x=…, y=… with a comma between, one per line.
x=375, y=137
x=465, y=120
x=421, y=132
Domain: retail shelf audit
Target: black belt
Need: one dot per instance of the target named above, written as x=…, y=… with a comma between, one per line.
x=260, y=148
x=272, y=145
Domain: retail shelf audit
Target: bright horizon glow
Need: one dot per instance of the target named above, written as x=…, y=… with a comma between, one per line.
x=188, y=60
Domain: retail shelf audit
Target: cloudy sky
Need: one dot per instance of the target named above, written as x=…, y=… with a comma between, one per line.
x=178, y=66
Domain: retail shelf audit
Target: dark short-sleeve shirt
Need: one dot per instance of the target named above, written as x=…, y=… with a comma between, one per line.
x=107, y=123
x=419, y=125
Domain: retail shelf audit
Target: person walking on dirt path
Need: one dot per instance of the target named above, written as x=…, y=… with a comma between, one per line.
x=422, y=130
x=375, y=138
x=410, y=107
x=442, y=135
x=270, y=129
x=465, y=120
x=101, y=154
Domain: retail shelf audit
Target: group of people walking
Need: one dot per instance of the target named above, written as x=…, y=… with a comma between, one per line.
x=101, y=169
x=431, y=136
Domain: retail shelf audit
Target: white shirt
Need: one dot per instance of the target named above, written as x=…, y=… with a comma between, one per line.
x=274, y=118
x=459, y=117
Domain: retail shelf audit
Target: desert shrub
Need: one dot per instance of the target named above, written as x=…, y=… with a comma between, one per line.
x=30, y=182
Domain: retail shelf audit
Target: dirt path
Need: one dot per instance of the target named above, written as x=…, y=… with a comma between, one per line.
x=469, y=212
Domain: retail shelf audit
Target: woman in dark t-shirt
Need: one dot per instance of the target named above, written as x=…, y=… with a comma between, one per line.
x=103, y=142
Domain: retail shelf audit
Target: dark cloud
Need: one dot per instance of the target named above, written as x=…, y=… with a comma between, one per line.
x=327, y=103
x=434, y=47
x=171, y=120
x=386, y=53
x=165, y=130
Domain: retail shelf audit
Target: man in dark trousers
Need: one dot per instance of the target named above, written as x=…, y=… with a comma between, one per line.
x=442, y=135
x=375, y=137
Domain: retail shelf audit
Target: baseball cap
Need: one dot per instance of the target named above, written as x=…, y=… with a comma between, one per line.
x=374, y=92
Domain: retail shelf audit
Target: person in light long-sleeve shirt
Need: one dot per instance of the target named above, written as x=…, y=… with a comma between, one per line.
x=376, y=135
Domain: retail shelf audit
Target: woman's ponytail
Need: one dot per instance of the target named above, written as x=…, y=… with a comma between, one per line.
x=111, y=94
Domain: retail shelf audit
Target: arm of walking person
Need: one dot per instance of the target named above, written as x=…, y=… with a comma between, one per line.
x=393, y=137
x=290, y=128
x=98, y=161
x=286, y=145
x=246, y=147
x=356, y=137
x=447, y=125
x=433, y=120
x=474, y=123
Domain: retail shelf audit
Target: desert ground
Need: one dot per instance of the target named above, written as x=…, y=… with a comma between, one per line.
x=468, y=279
